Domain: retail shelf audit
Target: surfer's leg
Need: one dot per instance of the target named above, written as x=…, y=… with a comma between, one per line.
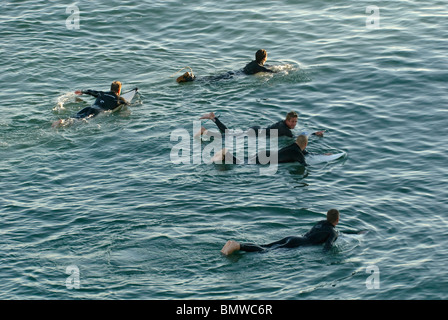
x=63, y=123
x=288, y=242
x=87, y=112
x=57, y=123
x=250, y=247
x=230, y=247
x=223, y=156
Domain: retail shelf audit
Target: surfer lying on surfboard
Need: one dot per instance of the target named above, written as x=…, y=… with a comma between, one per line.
x=283, y=127
x=252, y=67
x=104, y=101
x=295, y=152
x=322, y=233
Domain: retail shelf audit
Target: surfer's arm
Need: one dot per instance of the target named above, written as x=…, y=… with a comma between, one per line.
x=301, y=159
x=89, y=92
x=222, y=128
x=331, y=239
x=318, y=133
x=267, y=69
x=122, y=101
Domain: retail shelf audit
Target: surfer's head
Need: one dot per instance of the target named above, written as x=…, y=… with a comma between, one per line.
x=333, y=216
x=291, y=119
x=261, y=56
x=302, y=141
x=187, y=76
x=116, y=87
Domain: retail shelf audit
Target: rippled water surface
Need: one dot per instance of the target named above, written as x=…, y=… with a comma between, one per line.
x=103, y=197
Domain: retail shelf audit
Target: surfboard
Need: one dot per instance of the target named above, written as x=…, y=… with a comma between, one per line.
x=321, y=158
x=129, y=95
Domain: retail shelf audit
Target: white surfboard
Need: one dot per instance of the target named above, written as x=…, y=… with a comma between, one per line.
x=321, y=158
x=128, y=96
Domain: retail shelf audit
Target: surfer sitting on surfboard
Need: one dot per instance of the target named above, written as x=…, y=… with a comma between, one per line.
x=295, y=152
x=283, y=127
x=322, y=233
x=252, y=67
x=104, y=101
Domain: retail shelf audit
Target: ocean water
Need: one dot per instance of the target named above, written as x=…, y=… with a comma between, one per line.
x=98, y=210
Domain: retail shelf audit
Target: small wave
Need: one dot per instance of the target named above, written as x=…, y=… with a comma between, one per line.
x=63, y=99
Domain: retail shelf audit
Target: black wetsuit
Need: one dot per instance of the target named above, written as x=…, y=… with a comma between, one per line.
x=282, y=128
x=104, y=101
x=251, y=68
x=322, y=232
x=254, y=67
x=225, y=76
x=291, y=153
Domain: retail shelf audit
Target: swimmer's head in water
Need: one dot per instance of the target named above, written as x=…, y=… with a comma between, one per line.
x=186, y=77
x=116, y=87
x=302, y=141
x=291, y=119
x=333, y=216
x=261, y=56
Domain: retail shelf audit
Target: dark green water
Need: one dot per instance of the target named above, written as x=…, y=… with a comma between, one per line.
x=105, y=197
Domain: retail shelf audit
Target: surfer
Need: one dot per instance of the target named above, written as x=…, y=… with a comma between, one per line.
x=322, y=232
x=257, y=65
x=283, y=127
x=253, y=67
x=104, y=101
x=295, y=152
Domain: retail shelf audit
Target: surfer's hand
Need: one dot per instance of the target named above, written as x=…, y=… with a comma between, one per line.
x=319, y=133
x=78, y=92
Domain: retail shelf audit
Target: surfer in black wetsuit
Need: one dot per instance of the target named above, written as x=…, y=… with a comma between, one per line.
x=104, y=101
x=257, y=65
x=252, y=67
x=295, y=152
x=322, y=233
x=283, y=127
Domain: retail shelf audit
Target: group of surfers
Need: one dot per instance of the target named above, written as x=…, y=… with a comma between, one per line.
x=322, y=233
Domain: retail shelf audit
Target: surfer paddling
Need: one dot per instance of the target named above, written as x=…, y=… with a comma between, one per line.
x=283, y=127
x=104, y=101
x=253, y=67
x=322, y=233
